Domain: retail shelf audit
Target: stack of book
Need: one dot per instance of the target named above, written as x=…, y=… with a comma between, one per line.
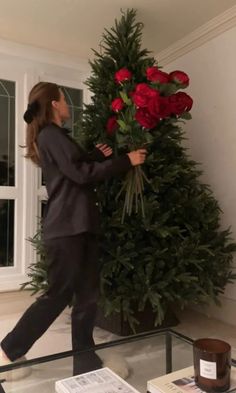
x=182, y=381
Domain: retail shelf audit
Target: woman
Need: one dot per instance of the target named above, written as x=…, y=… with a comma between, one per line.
x=70, y=227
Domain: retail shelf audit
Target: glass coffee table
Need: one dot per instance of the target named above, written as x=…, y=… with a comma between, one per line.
x=148, y=355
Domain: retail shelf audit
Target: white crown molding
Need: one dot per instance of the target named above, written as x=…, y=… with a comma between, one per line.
x=198, y=37
x=40, y=55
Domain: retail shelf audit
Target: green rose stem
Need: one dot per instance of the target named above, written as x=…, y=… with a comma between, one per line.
x=133, y=187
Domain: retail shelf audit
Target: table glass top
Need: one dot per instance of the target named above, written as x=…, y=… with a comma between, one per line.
x=142, y=357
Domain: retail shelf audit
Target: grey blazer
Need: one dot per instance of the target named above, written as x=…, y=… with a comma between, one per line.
x=70, y=175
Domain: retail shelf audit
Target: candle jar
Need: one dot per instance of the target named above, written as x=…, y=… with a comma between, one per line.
x=212, y=364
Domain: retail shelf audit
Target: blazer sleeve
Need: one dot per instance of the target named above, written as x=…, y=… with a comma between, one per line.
x=96, y=155
x=67, y=157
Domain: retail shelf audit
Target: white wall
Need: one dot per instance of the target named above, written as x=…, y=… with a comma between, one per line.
x=212, y=132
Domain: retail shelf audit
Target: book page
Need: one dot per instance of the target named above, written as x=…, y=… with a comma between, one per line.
x=99, y=381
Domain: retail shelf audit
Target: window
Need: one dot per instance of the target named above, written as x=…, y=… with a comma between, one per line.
x=21, y=190
x=74, y=98
x=7, y=171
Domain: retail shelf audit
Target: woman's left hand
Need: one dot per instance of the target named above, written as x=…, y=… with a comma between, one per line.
x=105, y=149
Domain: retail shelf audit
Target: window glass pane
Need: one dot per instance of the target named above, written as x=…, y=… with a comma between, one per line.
x=6, y=232
x=7, y=133
x=74, y=98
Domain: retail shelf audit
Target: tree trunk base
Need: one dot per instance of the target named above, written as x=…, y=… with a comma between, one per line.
x=116, y=324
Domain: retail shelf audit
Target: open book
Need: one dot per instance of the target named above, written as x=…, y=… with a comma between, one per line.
x=99, y=381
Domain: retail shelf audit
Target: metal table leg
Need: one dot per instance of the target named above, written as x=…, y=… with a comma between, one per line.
x=168, y=339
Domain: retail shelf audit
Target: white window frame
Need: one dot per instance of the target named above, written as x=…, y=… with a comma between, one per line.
x=11, y=274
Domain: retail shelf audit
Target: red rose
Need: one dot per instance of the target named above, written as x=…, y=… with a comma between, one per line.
x=117, y=104
x=143, y=94
x=143, y=88
x=179, y=77
x=112, y=125
x=122, y=75
x=179, y=103
x=140, y=100
x=155, y=75
x=146, y=120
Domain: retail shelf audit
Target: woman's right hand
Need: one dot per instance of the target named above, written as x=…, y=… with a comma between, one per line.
x=137, y=157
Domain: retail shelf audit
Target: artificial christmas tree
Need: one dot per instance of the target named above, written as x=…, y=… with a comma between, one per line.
x=177, y=253
x=164, y=246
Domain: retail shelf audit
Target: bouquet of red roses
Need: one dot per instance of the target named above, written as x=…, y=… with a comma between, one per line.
x=139, y=108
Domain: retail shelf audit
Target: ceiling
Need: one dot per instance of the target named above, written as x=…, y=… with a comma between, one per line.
x=75, y=26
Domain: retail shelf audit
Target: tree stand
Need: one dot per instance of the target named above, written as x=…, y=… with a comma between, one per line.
x=116, y=324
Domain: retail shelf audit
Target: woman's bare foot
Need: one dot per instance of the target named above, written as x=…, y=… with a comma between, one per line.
x=12, y=375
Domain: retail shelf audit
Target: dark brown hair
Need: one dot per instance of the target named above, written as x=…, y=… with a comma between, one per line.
x=39, y=114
